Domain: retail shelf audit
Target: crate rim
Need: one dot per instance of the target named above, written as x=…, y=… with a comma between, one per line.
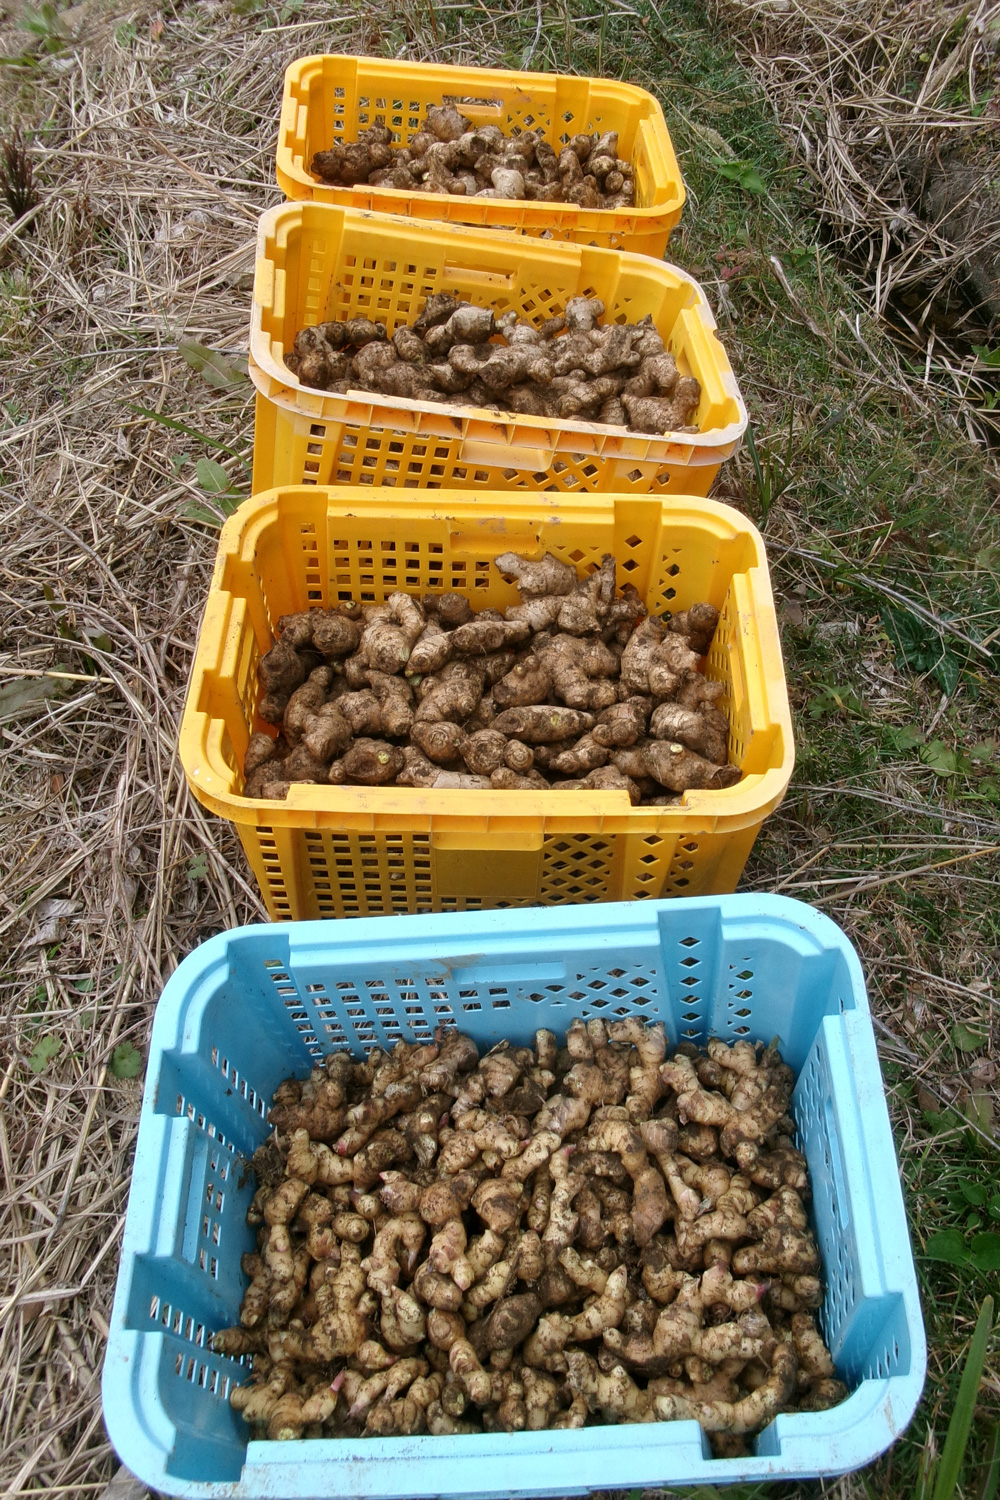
x=416, y=809
x=512, y=430
x=893, y=1398
x=648, y=216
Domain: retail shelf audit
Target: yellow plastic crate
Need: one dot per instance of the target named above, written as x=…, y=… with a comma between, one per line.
x=316, y=262
x=328, y=99
x=353, y=851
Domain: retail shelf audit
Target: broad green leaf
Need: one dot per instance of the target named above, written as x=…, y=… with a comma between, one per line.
x=920, y=647
x=945, y=1122
x=225, y=506
x=44, y=1050
x=908, y=737
x=985, y=1252
x=984, y=750
x=989, y=357
x=126, y=1061
x=85, y=985
x=219, y=370
x=979, y=1110
x=752, y=182
x=948, y=671
x=198, y=866
x=957, y=1437
x=965, y=1039
x=212, y=476
x=196, y=512
x=742, y=172
x=947, y=1245
x=941, y=759
x=974, y=1193
x=831, y=700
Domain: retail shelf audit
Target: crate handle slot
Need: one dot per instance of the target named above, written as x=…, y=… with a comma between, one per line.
x=486, y=455
x=524, y=839
x=479, y=110
x=475, y=276
x=506, y=539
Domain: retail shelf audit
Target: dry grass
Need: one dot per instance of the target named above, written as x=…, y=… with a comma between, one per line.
x=883, y=102
x=151, y=138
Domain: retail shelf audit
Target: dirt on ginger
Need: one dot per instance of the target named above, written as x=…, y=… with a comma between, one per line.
x=448, y=1243
x=571, y=367
x=449, y=154
x=574, y=688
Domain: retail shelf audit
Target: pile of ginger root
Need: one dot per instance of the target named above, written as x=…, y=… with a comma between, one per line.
x=545, y=1237
x=451, y=155
x=570, y=367
x=574, y=688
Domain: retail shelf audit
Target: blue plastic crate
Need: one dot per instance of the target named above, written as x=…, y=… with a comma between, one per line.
x=250, y=1007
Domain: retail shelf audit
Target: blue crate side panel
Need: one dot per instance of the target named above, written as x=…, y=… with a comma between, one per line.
x=252, y=1006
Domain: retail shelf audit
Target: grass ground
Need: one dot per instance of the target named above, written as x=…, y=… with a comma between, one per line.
x=151, y=134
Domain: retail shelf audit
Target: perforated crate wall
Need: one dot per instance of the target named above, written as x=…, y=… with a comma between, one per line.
x=356, y=851
x=317, y=262
x=294, y=449
x=250, y=1007
x=331, y=99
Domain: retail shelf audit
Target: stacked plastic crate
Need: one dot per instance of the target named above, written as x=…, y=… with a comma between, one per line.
x=360, y=494
x=356, y=496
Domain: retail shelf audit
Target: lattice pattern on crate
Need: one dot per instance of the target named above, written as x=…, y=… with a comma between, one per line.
x=217, y=1159
x=885, y=1359
x=361, y=1011
x=404, y=111
x=814, y=1116
x=360, y=874
x=576, y=867
x=413, y=461
x=247, y=686
x=739, y=1003
x=391, y=290
x=369, y=568
x=215, y=1155
x=598, y=991
x=647, y=858
x=193, y=1360
x=683, y=866
x=334, y=453
x=271, y=872
x=690, y=990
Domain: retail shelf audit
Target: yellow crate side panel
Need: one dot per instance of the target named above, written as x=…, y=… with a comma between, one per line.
x=317, y=262
x=355, y=851
x=330, y=99
x=310, y=874
x=293, y=449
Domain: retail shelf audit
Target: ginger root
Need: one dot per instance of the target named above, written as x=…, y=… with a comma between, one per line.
x=569, y=368
x=448, y=154
x=539, y=1238
x=572, y=689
